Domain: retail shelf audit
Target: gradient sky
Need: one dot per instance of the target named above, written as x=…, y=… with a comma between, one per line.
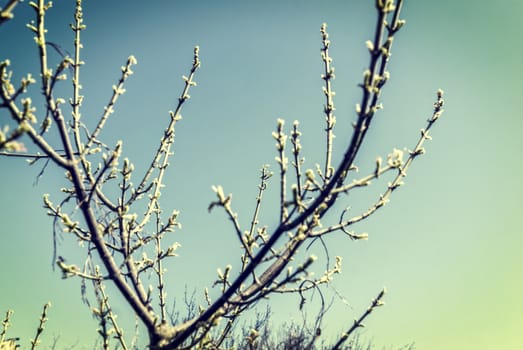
x=448, y=247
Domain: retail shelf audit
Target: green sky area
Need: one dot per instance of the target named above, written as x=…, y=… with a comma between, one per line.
x=448, y=247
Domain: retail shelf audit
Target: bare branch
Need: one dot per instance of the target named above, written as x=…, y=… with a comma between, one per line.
x=43, y=319
x=6, y=13
x=359, y=322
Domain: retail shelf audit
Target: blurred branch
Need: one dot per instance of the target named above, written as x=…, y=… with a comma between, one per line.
x=6, y=13
x=359, y=322
x=43, y=319
x=5, y=324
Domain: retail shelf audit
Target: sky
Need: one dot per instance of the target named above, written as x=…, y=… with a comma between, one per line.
x=448, y=247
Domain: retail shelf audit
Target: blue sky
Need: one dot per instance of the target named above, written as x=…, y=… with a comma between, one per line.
x=448, y=247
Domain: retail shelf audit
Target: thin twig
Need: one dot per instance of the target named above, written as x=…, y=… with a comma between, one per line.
x=359, y=322
x=401, y=166
x=328, y=76
x=6, y=13
x=282, y=160
x=5, y=324
x=40, y=329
